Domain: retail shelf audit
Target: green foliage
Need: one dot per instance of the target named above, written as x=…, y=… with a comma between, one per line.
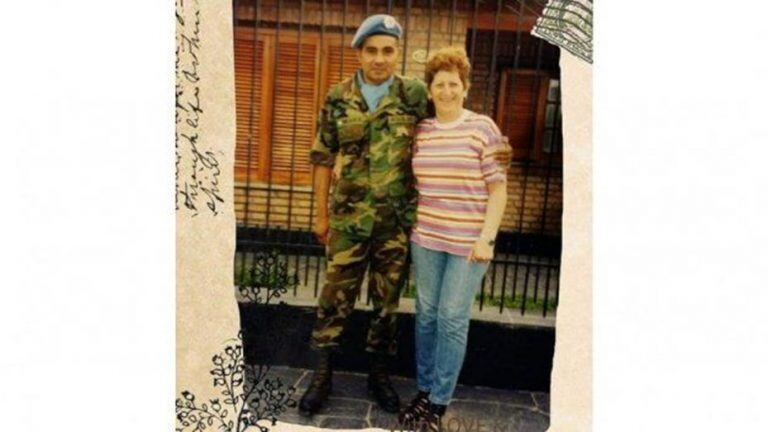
x=264, y=278
x=517, y=302
x=511, y=303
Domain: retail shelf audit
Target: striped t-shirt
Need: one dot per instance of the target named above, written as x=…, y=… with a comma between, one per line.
x=453, y=164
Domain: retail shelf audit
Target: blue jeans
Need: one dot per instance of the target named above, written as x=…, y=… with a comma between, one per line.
x=446, y=285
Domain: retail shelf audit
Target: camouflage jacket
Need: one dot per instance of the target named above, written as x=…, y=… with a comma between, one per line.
x=370, y=152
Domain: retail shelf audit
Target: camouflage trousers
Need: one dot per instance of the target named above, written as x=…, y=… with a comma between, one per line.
x=385, y=254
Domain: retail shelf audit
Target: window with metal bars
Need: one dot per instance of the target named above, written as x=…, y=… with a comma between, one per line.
x=287, y=55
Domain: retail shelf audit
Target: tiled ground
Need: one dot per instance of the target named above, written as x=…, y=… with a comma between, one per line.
x=473, y=409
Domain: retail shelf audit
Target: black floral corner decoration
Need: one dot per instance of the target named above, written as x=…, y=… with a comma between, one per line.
x=567, y=24
x=268, y=279
x=250, y=400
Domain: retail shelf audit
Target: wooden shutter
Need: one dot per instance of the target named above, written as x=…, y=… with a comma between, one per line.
x=335, y=70
x=295, y=96
x=273, y=89
x=520, y=110
x=249, y=99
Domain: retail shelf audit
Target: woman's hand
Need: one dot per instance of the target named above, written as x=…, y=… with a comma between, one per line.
x=481, y=251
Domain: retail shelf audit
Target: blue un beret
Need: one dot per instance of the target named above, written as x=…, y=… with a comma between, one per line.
x=377, y=24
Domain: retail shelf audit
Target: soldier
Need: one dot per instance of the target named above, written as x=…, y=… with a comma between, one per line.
x=363, y=146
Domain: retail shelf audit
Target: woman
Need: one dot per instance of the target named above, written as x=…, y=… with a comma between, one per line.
x=459, y=161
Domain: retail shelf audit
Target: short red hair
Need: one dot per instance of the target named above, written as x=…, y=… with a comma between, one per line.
x=448, y=59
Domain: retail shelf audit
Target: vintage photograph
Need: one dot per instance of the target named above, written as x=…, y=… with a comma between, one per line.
x=398, y=193
x=383, y=215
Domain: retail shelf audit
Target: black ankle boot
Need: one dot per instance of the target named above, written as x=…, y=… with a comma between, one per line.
x=415, y=411
x=319, y=387
x=379, y=386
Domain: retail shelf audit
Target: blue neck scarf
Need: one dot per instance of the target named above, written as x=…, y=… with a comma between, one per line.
x=373, y=92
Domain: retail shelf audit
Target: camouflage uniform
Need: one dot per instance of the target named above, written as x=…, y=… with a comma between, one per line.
x=371, y=206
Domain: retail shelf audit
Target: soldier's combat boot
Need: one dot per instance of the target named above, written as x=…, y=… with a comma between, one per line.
x=379, y=386
x=320, y=386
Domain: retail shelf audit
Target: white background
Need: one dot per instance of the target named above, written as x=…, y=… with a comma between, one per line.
x=87, y=230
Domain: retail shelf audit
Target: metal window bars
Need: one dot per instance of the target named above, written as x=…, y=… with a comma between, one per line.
x=277, y=212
